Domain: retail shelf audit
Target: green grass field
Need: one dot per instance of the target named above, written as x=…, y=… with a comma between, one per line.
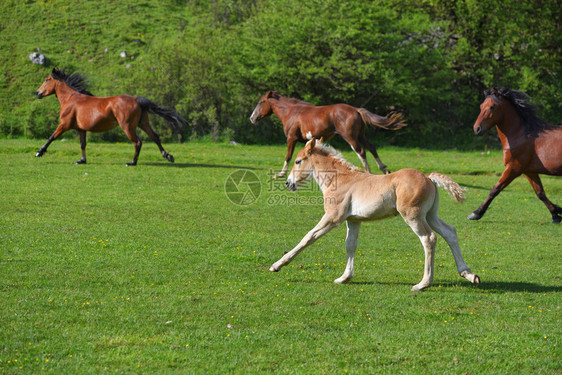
x=152, y=269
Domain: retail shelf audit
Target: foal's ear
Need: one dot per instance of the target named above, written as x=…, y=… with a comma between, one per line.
x=310, y=146
x=321, y=140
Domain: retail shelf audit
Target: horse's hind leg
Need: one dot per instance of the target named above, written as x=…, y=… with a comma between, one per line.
x=536, y=182
x=359, y=150
x=82, y=134
x=132, y=135
x=449, y=233
x=145, y=125
x=371, y=147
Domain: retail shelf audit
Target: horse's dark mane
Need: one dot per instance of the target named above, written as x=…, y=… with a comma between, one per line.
x=525, y=110
x=295, y=101
x=76, y=81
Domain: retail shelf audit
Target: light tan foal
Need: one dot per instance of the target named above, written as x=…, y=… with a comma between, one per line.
x=354, y=196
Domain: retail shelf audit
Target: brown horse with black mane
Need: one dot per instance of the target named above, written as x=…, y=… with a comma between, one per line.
x=82, y=111
x=303, y=121
x=531, y=146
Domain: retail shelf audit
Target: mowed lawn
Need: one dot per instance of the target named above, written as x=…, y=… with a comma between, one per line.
x=152, y=269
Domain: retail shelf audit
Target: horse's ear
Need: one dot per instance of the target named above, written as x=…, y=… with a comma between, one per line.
x=321, y=140
x=273, y=95
x=55, y=73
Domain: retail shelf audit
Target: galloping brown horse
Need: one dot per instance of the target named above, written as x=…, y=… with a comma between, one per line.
x=82, y=111
x=531, y=146
x=303, y=121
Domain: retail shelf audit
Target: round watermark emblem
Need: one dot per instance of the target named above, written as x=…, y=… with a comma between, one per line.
x=242, y=187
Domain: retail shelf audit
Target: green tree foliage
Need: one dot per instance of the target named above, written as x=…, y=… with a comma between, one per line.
x=213, y=60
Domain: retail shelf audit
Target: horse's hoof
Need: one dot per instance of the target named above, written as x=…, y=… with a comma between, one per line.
x=556, y=219
x=476, y=279
x=170, y=158
x=38, y=154
x=273, y=269
x=474, y=216
x=131, y=164
x=81, y=161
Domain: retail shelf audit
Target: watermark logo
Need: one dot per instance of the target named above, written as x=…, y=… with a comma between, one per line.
x=242, y=187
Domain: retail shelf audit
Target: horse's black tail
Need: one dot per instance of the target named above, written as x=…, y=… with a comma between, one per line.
x=172, y=117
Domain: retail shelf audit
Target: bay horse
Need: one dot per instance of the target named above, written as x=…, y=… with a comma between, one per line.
x=82, y=111
x=303, y=121
x=354, y=196
x=531, y=146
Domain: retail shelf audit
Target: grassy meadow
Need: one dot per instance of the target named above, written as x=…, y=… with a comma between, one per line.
x=152, y=269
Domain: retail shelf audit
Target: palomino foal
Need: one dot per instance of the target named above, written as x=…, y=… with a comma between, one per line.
x=354, y=196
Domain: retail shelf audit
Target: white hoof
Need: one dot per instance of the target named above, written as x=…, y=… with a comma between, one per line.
x=475, y=279
x=341, y=280
x=420, y=286
x=273, y=268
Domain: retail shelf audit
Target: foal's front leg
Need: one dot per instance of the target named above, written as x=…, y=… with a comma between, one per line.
x=350, y=246
x=325, y=225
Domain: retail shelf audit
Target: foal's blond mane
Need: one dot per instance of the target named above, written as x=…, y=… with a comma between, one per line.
x=336, y=155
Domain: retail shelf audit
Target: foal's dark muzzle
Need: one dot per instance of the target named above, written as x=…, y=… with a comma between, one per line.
x=290, y=185
x=39, y=95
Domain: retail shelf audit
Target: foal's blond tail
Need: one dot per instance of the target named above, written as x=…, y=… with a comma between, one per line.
x=455, y=191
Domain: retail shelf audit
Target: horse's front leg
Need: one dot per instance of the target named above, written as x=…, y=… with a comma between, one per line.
x=507, y=176
x=58, y=131
x=325, y=225
x=536, y=183
x=291, y=142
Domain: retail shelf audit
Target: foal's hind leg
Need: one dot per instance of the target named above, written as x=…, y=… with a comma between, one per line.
x=449, y=233
x=145, y=125
x=536, y=182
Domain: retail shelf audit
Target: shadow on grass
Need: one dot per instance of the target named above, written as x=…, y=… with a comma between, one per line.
x=517, y=286
x=490, y=286
x=190, y=165
x=493, y=287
